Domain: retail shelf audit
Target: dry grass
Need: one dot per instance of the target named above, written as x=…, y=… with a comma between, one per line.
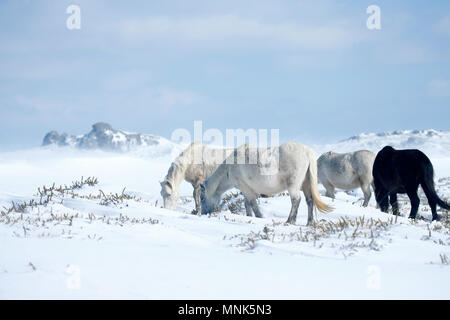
x=444, y=259
x=65, y=224
x=36, y=217
x=233, y=201
x=46, y=195
x=350, y=233
x=115, y=198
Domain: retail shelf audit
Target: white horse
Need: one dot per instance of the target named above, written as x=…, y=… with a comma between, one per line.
x=347, y=171
x=290, y=166
x=194, y=165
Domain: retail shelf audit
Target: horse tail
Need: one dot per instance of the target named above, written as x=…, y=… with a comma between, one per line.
x=312, y=172
x=427, y=184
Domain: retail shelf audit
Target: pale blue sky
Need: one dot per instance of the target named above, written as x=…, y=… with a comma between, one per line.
x=309, y=68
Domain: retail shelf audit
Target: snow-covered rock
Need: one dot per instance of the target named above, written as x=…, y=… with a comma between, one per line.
x=104, y=137
x=54, y=138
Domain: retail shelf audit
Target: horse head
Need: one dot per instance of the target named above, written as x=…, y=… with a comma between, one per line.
x=169, y=196
x=209, y=203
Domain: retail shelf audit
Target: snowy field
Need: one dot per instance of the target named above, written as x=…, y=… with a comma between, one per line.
x=92, y=238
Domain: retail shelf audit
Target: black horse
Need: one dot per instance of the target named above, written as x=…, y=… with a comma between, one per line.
x=402, y=171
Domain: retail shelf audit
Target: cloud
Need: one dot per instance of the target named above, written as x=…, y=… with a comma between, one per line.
x=41, y=105
x=443, y=25
x=126, y=80
x=161, y=99
x=139, y=91
x=229, y=29
x=439, y=88
x=168, y=98
x=403, y=52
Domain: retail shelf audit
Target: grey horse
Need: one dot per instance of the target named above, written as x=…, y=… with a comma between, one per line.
x=347, y=171
x=291, y=166
x=194, y=165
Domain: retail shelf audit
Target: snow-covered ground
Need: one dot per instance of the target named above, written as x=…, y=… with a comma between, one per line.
x=434, y=143
x=101, y=241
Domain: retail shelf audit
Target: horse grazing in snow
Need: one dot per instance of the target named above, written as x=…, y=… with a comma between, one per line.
x=194, y=165
x=290, y=166
x=402, y=171
x=347, y=171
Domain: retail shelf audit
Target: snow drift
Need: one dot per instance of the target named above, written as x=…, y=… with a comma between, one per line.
x=111, y=239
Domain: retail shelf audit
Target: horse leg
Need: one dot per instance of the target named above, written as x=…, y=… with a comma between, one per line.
x=367, y=194
x=394, y=203
x=294, y=193
x=382, y=199
x=248, y=207
x=329, y=189
x=255, y=208
x=373, y=189
x=431, y=202
x=198, y=202
x=309, y=200
x=250, y=197
x=415, y=201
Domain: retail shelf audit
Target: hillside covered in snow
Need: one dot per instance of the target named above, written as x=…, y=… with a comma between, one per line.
x=432, y=142
x=104, y=137
x=82, y=223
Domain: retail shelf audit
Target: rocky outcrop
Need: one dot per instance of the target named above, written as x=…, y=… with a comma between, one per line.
x=104, y=137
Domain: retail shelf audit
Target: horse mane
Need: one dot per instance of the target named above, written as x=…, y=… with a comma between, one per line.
x=197, y=154
x=175, y=174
